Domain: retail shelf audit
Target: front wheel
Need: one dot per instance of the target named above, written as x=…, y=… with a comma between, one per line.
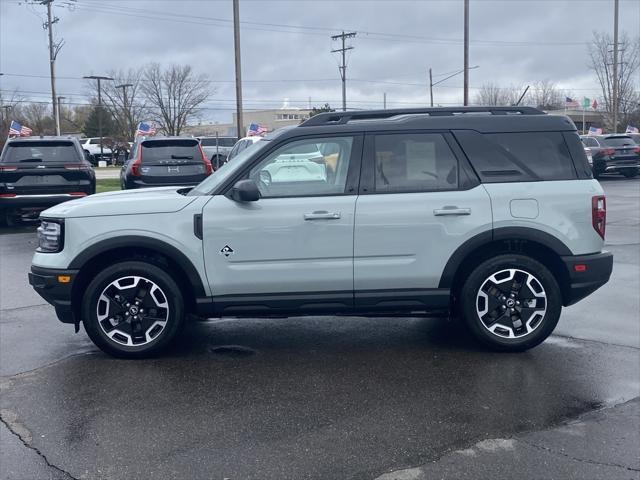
x=511, y=302
x=132, y=309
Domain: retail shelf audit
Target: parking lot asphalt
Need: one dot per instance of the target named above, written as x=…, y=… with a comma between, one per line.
x=327, y=397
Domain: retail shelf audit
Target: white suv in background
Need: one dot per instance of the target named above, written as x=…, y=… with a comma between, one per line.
x=92, y=147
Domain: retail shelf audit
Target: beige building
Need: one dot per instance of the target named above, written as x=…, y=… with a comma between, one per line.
x=271, y=119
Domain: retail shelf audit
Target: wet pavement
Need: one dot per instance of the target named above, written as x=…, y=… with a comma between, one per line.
x=326, y=397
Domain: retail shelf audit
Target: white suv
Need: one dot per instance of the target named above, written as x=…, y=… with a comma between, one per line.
x=490, y=213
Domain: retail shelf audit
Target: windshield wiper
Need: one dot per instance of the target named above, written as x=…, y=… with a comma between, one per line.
x=182, y=157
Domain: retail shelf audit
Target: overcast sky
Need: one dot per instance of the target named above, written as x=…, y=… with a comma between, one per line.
x=286, y=46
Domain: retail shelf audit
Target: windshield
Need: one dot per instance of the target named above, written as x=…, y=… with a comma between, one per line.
x=619, y=142
x=227, y=170
x=222, y=142
x=36, y=152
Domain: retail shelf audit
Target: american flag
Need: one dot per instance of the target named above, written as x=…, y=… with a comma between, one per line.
x=570, y=103
x=255, y=129
x=16, y=129
x=594, y=104
x=145, y=130
x=595, y=131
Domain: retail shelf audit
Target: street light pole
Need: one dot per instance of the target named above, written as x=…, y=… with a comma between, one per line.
x=466, y=52
x=99, y=79
x=614, y=104
x=432, y=84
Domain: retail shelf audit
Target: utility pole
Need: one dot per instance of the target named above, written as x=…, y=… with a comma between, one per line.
x=384, y=100
x=99, y=79
x=466, y=52
x=59, y=103
x=236, y=45
x=127, y=110
x=431, y=86
x=53, y=53
x=343, y=68
x=615, y=66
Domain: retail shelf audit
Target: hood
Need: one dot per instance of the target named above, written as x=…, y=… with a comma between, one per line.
x=123, y=202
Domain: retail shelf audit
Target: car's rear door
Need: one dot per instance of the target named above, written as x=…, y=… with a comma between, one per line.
x=172, y=161
x=418, y=203
x=42, y=168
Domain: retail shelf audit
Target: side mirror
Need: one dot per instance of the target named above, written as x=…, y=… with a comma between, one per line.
x=245, y=191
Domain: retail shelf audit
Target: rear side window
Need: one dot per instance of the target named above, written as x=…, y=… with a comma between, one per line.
x=414, y=163
x=159, y=151
x=40, y=152
x=619, y=142
x=517, y=157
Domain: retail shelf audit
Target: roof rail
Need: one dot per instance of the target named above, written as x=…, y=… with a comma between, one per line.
x=339, y=118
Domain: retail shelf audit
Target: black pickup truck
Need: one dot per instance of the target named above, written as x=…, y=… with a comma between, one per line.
x=613, y=154
x=39, y=172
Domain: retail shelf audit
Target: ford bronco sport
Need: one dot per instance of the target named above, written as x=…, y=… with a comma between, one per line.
x=490, y=213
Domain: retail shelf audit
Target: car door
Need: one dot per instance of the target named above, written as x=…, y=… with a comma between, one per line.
x=293, y=248
x=419, y=201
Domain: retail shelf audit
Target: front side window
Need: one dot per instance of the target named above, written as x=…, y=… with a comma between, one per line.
x=309, y=167
x=414, y=162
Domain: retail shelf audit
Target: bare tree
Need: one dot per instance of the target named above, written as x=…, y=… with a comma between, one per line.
x=126, y=104
x=36, y=115
x=10, y=109
x=546, y=95
x=601, y=62
x=491, y=94
x=175, y=93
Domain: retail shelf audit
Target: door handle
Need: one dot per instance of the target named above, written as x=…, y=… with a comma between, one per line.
x=448, y=210
x=322, y=215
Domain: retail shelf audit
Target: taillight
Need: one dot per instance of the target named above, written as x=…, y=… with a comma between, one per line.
x=609, y=151
x=135, y=166
x=636, y=150
x=207, y=163
x=599, y=214
x=7, y=195
x=8, y=169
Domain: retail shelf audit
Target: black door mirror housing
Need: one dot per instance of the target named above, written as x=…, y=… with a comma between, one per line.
x=245, y=191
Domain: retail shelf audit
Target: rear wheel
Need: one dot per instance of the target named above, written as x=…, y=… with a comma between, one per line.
x=133, y=310
x=630, y=173
x=511, y=302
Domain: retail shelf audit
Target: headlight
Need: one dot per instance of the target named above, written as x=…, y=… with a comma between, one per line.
x=50, y=236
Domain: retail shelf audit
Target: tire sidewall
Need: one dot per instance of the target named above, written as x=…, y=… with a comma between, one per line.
x=489, y=267
x=156, y=275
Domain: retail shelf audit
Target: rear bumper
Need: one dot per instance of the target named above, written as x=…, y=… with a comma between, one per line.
x=45, y=281
x=36, y=201
x=586, y=274
x=610, y=165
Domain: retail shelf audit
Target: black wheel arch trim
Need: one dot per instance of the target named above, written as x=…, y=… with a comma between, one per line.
x=133, y=241
x=504, y=233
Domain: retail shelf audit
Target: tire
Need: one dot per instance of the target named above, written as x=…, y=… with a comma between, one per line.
x=630, y=173
x=153, y=330
x=484, y=309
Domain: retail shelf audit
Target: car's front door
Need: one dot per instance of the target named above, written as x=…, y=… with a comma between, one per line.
x=293, y=248
x=420, y=201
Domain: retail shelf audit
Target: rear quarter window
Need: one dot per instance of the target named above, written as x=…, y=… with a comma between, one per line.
x=518, y=156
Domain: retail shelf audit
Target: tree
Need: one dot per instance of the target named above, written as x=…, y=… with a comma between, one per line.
x=492, y=95
x=91, y=126
x=325, y=108
x=126, y=114
x=544, y=94
x=601, y=62
x=10, y=109
x=175, y=93
x=36, y=116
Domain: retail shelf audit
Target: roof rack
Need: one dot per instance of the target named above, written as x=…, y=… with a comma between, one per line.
x=339, y=118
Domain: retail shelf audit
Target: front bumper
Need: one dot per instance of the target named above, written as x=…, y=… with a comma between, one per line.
x=50, y=284
x=586, y=274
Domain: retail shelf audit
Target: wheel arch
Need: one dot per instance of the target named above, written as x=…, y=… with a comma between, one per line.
x=536, y=244
x=130, y=247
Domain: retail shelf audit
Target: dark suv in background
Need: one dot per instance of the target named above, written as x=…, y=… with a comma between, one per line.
x=613, y=154
x=168, y=161
x=37, y=173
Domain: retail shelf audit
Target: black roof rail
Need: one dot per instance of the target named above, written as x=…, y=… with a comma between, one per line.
x=339, y=118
